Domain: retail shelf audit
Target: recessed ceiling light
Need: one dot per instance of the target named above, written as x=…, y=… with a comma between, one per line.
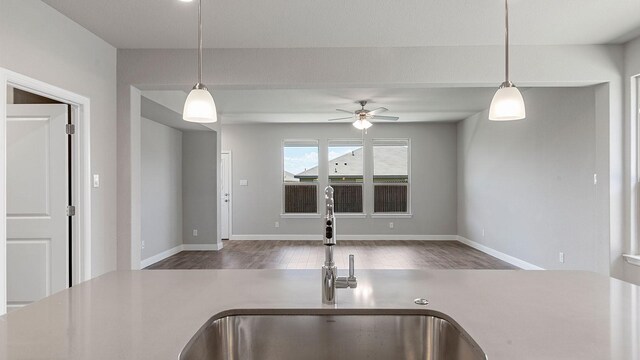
x=186, y=0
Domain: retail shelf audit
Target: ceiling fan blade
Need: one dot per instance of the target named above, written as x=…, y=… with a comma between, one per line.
x=378, y=110
x=344, y=118
x=347, y=111
x=388, y=118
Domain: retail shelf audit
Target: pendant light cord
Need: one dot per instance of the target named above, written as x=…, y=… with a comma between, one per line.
x=199, y=41
x=506, y=40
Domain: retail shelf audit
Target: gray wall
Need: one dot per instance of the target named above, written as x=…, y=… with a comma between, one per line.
x=256, y=155
x=347, y=67
x=39, y=42
x=199, y=186
x=529, y=184
x=161, y=162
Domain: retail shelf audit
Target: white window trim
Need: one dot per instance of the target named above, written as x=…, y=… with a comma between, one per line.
x=300, y=216
x=392, y=216
x=634, y=247
x=367, y=186
x=632, y=259
x=350, y=215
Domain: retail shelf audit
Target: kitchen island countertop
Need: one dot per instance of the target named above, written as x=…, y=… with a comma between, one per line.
x=512, y=315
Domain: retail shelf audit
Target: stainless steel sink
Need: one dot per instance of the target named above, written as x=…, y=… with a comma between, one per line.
x=313, y=334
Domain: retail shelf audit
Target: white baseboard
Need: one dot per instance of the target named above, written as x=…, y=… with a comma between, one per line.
x=275, y=237
x=163, y=255
x=14, y=307
x=184, y=247
x=399, y=237
x=344, y=237
x=500, y=255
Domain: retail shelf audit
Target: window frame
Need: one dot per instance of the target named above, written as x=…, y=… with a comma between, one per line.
x=408, y=213
x=634, y=256
x=363, y=185
x=302, y=141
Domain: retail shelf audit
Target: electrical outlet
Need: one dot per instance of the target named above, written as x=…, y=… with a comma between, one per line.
x=143, y=244
x=561, y=257
x=96, y=180
x=195, y=232
x=277, y=224
x=391, y=225
x=482, y=232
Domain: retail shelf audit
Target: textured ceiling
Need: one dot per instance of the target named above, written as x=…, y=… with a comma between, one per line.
x=352, y=23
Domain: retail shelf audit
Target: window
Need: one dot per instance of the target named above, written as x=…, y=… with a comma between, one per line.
x=300, y=176
x=391, y=176
x=346, y=174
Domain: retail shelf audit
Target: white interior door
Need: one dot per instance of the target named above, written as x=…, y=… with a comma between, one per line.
x=37, y=188
x=226, y=194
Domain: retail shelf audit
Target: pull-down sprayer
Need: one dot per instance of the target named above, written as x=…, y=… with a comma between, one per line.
x=330, y=279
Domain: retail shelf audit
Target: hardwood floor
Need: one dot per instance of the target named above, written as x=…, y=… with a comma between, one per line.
x=267, y=254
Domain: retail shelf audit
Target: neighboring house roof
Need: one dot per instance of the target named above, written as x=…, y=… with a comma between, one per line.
x=390, y=161
x=289, y=176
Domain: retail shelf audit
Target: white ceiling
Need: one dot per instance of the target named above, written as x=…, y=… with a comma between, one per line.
x=318, y=105
x=352, y=23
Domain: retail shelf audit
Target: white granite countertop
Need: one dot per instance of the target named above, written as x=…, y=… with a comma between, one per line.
x=153, y=314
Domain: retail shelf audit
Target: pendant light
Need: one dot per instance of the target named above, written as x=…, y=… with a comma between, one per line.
x=507, y=103
x=199, y=106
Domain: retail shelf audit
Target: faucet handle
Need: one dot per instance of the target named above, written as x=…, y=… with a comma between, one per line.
x=351, y=266
x=350, y=281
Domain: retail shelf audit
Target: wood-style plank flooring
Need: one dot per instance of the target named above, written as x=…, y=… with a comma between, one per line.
x=267, y=254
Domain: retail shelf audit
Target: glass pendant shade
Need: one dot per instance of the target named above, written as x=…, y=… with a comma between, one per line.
x=200, y=107
x=507, y=104
x=362, y=124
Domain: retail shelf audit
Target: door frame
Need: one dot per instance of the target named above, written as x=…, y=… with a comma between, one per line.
x=230, y=181
x=81, y=173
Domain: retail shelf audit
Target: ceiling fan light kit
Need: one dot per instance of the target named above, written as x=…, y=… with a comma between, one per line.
x=362, y=116
x=362, y=124
x=199, y=106
x=507, y=104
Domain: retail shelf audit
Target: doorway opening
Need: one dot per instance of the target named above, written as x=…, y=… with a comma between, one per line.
x=45, y=178
x=226, y=189
x=39, y=191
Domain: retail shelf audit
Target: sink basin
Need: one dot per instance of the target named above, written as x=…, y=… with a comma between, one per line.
x=321, y=335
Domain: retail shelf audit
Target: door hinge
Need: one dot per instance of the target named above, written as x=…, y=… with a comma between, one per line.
x=71, y=210
x=70, y=129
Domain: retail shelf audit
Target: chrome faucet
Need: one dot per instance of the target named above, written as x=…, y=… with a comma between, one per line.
x=330, y=278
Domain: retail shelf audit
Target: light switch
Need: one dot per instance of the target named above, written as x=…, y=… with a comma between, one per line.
x=96, y=180
x=244, y=182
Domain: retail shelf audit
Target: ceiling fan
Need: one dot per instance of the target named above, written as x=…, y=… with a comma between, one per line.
x=362, y=116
